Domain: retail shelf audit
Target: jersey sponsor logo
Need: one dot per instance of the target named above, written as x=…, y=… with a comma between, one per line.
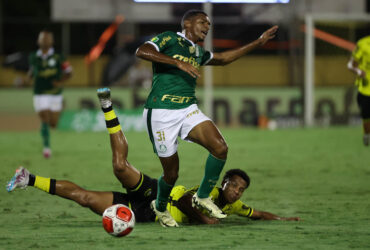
x=176, y=99
x=164, y=41
x=190, y=60
x=48, y=72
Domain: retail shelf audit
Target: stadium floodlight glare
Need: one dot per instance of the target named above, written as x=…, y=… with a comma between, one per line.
x=212, y=1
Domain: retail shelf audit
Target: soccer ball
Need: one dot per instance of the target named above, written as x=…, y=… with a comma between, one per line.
x=118, y=220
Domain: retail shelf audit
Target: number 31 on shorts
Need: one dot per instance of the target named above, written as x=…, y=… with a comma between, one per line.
x=161, y=136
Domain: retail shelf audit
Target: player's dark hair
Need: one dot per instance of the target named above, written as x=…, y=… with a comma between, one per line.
x=190, y=14
x=239, y=173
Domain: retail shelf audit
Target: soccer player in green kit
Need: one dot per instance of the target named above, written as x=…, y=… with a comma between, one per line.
x=49, y=70
x=171, y=108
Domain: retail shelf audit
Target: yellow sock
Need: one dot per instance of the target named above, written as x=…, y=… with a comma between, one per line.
x=42, y=183
x=111, y=121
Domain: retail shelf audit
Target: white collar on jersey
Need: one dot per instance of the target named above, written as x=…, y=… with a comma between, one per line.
x=44, y=56
x=182, y=34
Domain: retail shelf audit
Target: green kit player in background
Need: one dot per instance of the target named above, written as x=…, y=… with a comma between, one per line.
x=48, y=70
x=360, y=65
x=171, y=108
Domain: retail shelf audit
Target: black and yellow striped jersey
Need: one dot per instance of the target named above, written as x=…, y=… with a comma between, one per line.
x=238, y=207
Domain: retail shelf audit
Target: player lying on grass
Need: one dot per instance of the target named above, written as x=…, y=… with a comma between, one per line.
x=141, y=189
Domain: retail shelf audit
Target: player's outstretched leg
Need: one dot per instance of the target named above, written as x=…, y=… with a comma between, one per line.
x=96, y=201
x=128, y=175
x=165, y=218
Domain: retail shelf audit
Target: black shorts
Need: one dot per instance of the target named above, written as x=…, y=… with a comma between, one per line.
x=139, y=200
x=363, y=102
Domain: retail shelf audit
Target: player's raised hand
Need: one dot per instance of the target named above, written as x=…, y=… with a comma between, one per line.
x=268, y=34
x=188, y=68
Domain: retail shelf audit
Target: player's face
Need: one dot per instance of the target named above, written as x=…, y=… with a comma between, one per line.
x=45, y=40
x=233, y=188
x=199, y=27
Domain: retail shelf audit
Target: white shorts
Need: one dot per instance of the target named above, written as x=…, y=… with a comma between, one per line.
x=165, y=125
x=48, y=102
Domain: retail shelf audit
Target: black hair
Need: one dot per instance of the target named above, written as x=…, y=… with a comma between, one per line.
x=239, y=173
x=189, y=14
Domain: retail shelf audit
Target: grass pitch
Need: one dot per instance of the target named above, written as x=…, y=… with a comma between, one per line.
x=321, y=175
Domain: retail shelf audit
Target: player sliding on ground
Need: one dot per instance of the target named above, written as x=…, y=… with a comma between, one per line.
x=141, y=189
x=171, y=108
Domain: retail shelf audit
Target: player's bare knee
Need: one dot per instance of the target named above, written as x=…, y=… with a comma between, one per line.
x=221, y=150
x=119, y=166
x=85, y=199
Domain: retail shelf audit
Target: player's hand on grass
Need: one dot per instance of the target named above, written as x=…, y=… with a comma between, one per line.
x=268, y=34
x=188, y=68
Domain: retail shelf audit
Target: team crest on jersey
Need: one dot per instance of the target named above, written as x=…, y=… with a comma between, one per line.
x=52, y=62
x=162, y=148
x=191, y=49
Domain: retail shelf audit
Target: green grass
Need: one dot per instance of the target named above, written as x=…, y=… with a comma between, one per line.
x=320, y=175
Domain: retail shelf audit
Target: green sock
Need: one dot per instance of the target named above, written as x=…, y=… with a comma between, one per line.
x=164, y=190
x=45, y=134
x=213, y=170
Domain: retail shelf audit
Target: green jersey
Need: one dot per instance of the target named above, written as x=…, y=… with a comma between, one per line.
x=47, y=68
x=173, y=88
x=362, y=56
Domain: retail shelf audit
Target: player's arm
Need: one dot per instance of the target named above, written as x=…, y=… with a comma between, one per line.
x=352, y=65
x=261, y=215
x=229, y=56
x=28, y=78
x=66, y=74
x=185, y=205
x=149, y=53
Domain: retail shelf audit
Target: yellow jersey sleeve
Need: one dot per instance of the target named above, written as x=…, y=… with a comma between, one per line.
x=238, y=207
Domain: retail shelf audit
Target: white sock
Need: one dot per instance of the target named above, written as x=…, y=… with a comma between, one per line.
x=105, y=103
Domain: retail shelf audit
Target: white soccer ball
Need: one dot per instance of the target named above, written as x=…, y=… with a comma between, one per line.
x=118, y=220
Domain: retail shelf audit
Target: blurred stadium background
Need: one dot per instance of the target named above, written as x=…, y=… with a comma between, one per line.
x=272, y=86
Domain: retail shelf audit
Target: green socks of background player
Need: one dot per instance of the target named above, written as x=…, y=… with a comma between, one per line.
x=164, y=190
x=45, y=184
x=212, y=173
x=45, y=134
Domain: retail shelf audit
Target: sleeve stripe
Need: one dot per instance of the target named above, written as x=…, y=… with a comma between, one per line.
x=210, y=58
x=155, y=45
